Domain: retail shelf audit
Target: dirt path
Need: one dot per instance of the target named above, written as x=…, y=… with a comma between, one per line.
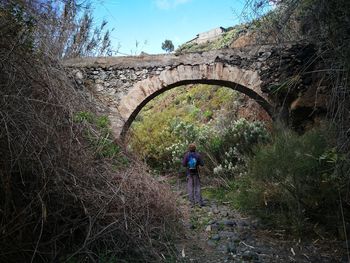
x=217, y=233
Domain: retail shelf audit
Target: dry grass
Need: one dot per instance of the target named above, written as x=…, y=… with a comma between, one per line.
x=59, y=200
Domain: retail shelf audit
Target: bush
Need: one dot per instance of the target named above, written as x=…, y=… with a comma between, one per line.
x=225, y=150
x=232, y=145
x=185, y=133
x=160, y=135
x=295, y=180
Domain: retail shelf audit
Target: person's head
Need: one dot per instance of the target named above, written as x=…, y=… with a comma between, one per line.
x=192, y=147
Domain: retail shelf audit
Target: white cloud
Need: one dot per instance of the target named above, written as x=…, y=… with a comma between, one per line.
x=168, y=4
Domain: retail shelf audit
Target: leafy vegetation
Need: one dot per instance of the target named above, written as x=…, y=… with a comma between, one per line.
x=294, y=182
x=234, y=143
x=161, y=122
x=198, y=114
x=307, y=176
x=289, y=180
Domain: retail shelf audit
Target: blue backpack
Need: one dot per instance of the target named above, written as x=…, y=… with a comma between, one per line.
x=192, y=163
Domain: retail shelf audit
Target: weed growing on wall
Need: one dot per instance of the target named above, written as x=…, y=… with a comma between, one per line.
x=100, y=137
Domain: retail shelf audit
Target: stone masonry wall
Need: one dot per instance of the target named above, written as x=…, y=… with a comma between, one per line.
x=264, y=69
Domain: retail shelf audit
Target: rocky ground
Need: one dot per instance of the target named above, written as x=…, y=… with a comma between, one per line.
x=218, y=233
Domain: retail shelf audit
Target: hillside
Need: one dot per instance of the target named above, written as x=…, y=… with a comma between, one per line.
x=225, y=40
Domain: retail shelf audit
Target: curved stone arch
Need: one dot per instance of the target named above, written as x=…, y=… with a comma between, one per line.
x=245, y=81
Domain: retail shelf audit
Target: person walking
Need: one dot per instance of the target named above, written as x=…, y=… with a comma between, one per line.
x=192, y=160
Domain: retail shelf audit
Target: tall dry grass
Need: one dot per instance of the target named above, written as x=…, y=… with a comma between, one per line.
x=59, y=199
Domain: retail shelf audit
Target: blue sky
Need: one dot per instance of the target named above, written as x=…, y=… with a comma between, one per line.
x=150, y=22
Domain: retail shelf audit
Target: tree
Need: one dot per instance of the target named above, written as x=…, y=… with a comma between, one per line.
x=168, y=45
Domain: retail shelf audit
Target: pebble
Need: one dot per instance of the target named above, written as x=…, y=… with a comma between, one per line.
x=229, y=223
x=227, y=234
x=242, y=223
x=216, y=211
x=222, y=248
x=208, y=228
x=215, y=227
x=215, y=237
x=211, y=222
x=211, y=243
x=224, y=213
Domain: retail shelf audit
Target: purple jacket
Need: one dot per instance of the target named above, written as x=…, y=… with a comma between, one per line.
x=197, y=156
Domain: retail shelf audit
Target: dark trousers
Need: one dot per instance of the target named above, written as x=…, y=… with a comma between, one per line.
x=194, y=189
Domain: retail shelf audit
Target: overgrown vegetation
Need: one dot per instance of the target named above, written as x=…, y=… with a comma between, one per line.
x=293, y=182
x=316, y=189
x=299, y=182
x=202, y=114
x=101, y=141
x=68, y=192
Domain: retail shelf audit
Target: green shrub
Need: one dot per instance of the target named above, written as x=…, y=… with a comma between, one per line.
x=295, y=180
x=208, y=114
x=233, y=144
x=161, y=134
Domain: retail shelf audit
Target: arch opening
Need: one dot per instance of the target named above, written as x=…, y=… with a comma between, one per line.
x=223, y=83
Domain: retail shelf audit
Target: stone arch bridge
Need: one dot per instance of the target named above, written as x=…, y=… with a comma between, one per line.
x=121, y=86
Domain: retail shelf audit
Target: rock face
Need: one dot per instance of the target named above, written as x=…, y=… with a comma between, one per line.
x=121, y=86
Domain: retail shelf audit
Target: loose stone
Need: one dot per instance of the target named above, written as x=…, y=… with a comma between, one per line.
x=215, y=237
